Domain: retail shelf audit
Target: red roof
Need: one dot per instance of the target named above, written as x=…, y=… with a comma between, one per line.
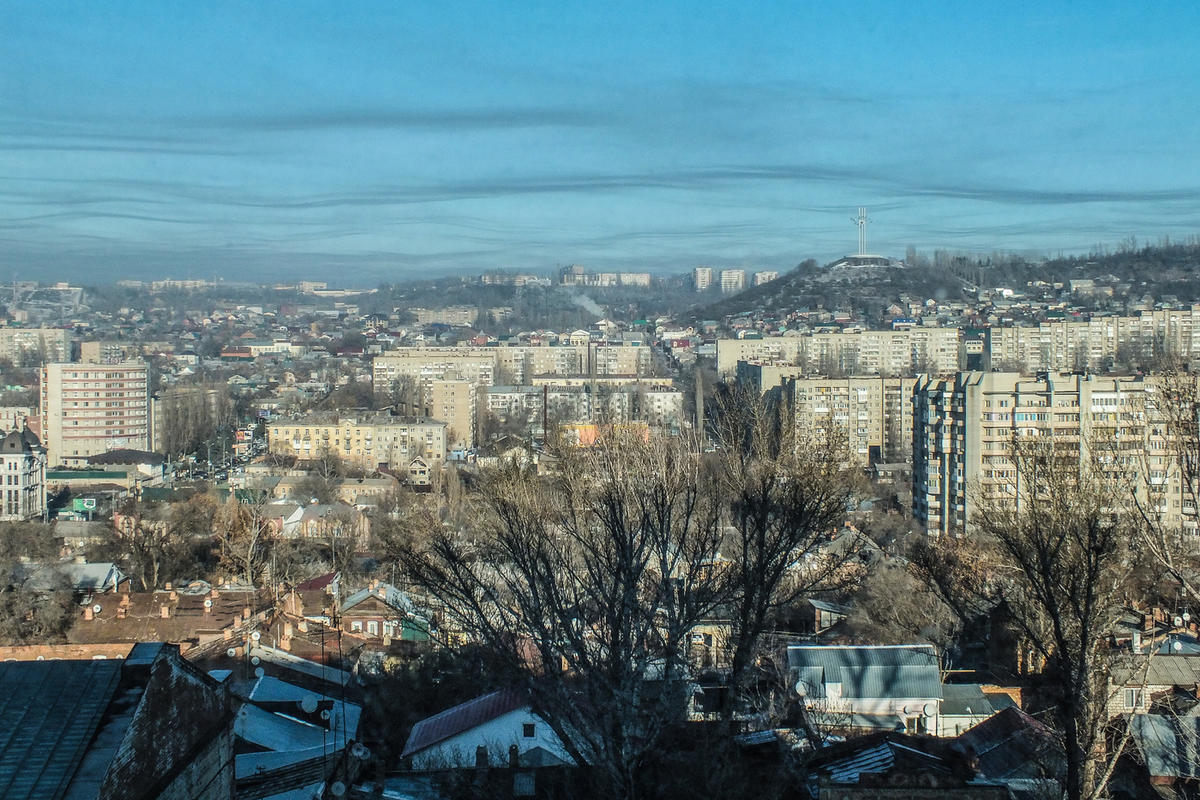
x=319, y=582
x=463, y=717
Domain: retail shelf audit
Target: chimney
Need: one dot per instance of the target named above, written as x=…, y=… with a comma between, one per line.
x=165, y=611
x=122, y=612
x=214, y=594
x=88, y=613
x=246, y=612
x=167, y=586
x=174, y=595
x=124, y=601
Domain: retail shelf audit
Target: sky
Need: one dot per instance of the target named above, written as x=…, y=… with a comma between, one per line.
x=364, y=142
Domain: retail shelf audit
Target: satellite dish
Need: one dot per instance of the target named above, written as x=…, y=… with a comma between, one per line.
x=258, y=673
x=1187, y=617
x=308, y=704
x=930, y=710
x=255, y=660
x=800, y=689
x=324, y=713
x=231, y=652
x=208, y=602
x=337, y=788
x=1178, y=622
x=96, y=609
x=256, y=636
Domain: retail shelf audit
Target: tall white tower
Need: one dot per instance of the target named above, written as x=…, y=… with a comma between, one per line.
x=861, y=221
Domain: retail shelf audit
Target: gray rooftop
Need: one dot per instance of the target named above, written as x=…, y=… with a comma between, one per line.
x=869, y=671
x=49, y=714
x=1168, y=744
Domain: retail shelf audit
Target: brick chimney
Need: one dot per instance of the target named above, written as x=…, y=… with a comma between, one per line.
x=122, y=612
x=164, y=611
x=88, y=613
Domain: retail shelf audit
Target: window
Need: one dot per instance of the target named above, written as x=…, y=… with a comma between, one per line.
x=528, y=730
x=356, y=626
x=372, y=628
x=1133, y=698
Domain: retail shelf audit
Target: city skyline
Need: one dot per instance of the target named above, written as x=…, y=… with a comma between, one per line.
x=139, y=141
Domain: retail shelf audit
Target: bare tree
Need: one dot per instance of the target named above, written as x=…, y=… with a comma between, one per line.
x=589, y=583
x=787, y=494
x=243, y=534
x=1055, y=552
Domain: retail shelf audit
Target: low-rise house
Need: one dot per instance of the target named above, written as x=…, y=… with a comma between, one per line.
x=495, y=722
x=1135, y=685
x=881, y=687
x=384, y=613
x=1169, y=747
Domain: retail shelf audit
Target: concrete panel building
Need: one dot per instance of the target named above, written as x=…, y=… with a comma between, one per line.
x=92, y=408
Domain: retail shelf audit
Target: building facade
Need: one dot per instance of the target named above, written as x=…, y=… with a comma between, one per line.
x=23, y=467
x=964, y=427
x=92, y=408
x=852, y=352
x=364, y=440
x=30, y=347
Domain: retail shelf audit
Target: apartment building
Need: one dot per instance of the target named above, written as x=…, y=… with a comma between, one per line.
x=964, y=426
x=23, y=471
x=454, y=315
x=570, y=404
x=871, y=413
x=365, y=440
x=853, y=352
x=455, y=402
x=92, y=408
x=765, y=276
x=1098, y=343
x=732, y=280
x=508, y=365
x=29, y=347
x=702, y=278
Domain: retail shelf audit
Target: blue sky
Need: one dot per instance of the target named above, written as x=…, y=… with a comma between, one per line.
x=368, y=141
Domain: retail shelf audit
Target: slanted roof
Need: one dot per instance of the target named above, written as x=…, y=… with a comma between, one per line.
x=1162, y=670
x=385, y=593
x=1169, y=745
x=49, y=713
x=1012, y=744
x=870, y=671
x=964, y=700
x=462, y=718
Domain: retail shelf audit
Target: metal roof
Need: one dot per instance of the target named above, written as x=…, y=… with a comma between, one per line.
x=49, y=713
x=1169, y=745
x=909, y=671
x=964, y=700
x=463, y=717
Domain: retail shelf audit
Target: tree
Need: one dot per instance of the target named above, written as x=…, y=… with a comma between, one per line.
x=324, y=478
x=243, y=534
x=787, y=493
x=36, y=604
x=588, y=584
x=1054, y=550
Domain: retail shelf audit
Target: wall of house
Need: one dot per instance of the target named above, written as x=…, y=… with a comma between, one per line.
x=496, y=735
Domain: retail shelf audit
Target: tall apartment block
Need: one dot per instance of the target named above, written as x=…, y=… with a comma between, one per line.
x=702, y=278
x=910, y=351
x=732, y=280
x=964, y=426
x=871, y=413
x=92, y=408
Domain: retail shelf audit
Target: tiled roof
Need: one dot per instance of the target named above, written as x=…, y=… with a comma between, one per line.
x=49, y=712
x=463, y=717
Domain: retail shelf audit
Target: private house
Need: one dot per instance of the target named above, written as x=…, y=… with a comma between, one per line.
x=1169, y=747
x=383, y=613
x=868, y=687
x=1143, y=680
x=83, y=728
x=964, y=705
x=494, y=722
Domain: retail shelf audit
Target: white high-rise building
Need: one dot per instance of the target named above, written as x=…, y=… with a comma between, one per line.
x=93, y=408
x=732, y=280
x=765, y=276
x=702, y=278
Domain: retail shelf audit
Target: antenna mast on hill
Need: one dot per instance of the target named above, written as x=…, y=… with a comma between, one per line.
x=861, y=221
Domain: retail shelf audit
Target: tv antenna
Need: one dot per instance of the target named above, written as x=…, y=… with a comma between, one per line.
x=861, y=221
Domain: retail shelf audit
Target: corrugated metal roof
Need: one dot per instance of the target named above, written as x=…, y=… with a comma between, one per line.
x=964, y=699
x=49, y=712
x=463, y=717
x=869, y=671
